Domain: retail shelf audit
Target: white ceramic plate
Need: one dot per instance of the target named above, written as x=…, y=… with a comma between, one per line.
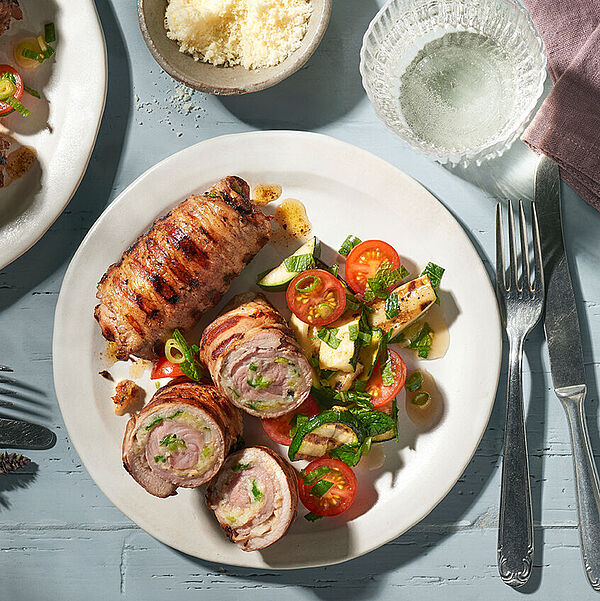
x=62, y=126
x=345, y=190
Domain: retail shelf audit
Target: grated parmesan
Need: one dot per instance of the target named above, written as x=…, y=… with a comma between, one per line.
x=251, y=33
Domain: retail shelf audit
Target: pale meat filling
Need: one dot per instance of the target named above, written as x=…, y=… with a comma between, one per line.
x=262, y=379
x=177, y=442
x=250, y=502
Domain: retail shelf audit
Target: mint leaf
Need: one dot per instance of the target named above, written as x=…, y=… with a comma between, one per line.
x=298, y=263
x=327, y=335
x=349, y=243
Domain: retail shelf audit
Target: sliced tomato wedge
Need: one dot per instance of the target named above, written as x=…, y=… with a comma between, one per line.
x=163, y=368
x=278, y=428
x=4, y=107
x=338, y=498
x=316, y=297
x=364, y=260
x=381, y=395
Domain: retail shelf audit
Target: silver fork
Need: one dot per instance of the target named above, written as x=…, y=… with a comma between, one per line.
x=521, y=305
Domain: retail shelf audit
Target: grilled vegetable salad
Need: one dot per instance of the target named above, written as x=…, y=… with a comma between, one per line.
x=345, y=326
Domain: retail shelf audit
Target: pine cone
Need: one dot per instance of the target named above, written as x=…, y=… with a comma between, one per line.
x=9, y=462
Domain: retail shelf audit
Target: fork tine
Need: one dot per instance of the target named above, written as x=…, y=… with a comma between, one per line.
x=538, y=283
x=526, y=275
x=513, y=269
x=500, y=280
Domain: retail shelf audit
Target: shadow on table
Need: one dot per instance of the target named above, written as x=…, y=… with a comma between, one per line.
x=24, y=478
x=325, y=89
x=60, y=242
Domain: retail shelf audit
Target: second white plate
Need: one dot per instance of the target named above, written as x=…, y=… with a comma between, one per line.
x=346, y=190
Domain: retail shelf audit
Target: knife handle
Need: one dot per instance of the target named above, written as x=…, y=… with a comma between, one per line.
x=586, y=481
x=515, y=530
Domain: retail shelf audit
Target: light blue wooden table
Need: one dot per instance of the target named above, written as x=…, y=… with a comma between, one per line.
x=61, y=539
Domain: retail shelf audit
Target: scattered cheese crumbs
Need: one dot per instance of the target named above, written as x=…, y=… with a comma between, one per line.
x=292, y=218
x=251, y=33
x=265, y=193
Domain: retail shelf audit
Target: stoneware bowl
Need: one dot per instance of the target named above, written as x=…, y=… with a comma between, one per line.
x=225, y=80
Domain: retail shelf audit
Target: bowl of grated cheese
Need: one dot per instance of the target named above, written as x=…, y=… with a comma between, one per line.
x=232, y=46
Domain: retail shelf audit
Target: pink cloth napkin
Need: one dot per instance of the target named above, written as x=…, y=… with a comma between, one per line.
x=567, y=126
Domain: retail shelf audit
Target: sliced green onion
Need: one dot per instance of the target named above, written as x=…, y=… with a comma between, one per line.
x=160, y=458
x=414, y=381
x=420, y=399
x=155, y=422
x=31, y=91
x=32, y=54
x=282, y=360
x=49, y=33
x=48, y=52
x=252, y=367
x=306, y=288
x=320, y=488
x=7, y=89
x=12, y=101
x=42, y=43
x=240, y=466
x=256, y=492
x=325, y=310
x=171, y=345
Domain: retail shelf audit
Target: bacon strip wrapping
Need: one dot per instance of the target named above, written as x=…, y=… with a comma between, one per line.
x=181, y=438
x=179, y=269
x=254, y=360
x=254, y=497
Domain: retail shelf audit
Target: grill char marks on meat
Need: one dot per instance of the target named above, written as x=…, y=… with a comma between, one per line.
x=180, y=438
x=254, y=497
x=9, y=10
x=180, y=268
x=254, y=360
x=4, y=148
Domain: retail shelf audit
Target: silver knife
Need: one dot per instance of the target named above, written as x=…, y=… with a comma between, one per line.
x=566, y=360
x=19, y=434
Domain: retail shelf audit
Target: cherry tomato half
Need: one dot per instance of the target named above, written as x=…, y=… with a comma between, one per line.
x=380, y=394
x=364, y=260
x=6, y=108
x=163, y=368
x=316, y=297
x=339, y=497
x=278, y=428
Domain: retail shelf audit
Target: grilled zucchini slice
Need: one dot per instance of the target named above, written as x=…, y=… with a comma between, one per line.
x=414, y=299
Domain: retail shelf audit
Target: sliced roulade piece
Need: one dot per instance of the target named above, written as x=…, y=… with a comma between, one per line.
x=254, y=359
x=181, y=438
x=254, y=497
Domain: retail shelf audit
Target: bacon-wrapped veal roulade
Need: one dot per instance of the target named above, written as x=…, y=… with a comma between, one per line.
x=181, y=438
x=254, y=497
x=254, y=359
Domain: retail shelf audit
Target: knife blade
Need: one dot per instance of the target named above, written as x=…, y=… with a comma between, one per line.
x=19, y=434
x=561, y=322
x=566, y=362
